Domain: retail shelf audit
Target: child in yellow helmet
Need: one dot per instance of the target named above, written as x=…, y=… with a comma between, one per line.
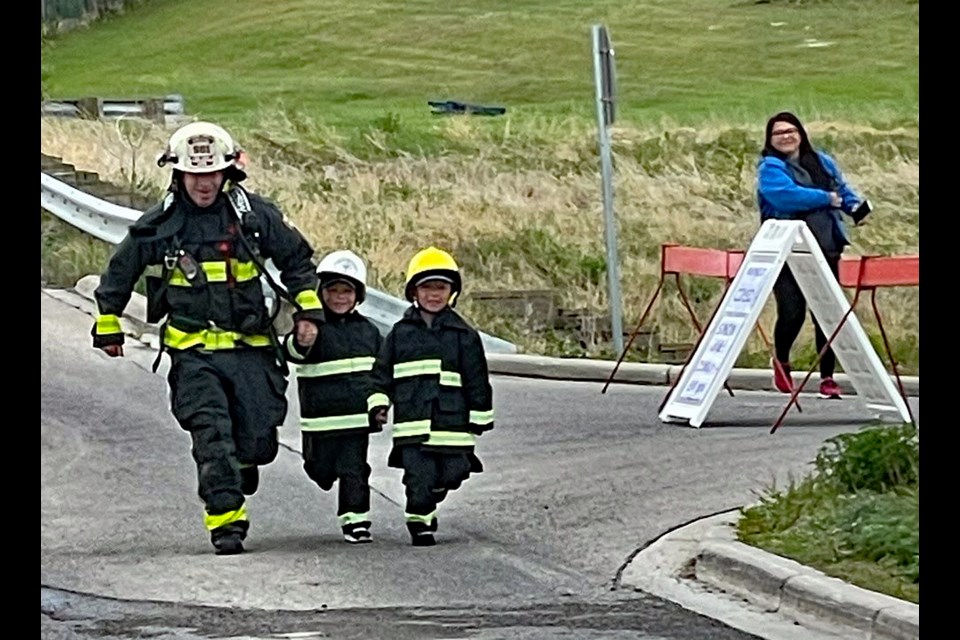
x=433, y=369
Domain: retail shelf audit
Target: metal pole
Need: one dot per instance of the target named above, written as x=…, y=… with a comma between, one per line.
x=606, y=170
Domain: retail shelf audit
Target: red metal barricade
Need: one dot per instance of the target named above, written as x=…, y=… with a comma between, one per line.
x=868, y=273
x=677, y=260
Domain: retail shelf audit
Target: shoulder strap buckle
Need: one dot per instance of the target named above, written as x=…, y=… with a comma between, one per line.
x=239, y=200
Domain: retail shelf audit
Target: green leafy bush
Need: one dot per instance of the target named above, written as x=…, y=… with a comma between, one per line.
x=877, y=458
x=857, y=518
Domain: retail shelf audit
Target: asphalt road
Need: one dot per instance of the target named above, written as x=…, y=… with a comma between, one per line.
x=576, y=482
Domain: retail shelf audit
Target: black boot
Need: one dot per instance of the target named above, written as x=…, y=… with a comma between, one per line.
x=228, y=545
x=424, y=539
x=358, y=533
x=421, y=535
x=228, y=539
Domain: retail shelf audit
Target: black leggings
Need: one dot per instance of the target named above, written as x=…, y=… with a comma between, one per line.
x=791, y=309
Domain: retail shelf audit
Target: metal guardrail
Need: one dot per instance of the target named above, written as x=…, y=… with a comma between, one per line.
x=172, y=105
x=109, y=222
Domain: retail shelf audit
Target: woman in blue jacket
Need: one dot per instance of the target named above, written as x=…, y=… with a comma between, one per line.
x=797, y=182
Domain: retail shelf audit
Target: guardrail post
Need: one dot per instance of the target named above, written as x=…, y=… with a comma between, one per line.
x=90, y=108
x=154, y=109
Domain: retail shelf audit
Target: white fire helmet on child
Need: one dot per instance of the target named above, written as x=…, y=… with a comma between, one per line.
x=344, y=266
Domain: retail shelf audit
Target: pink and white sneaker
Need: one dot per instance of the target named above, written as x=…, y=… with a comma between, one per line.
x=829, y=389
x=782, y=379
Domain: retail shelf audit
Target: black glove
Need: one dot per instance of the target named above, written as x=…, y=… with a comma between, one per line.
x=479, y=429
x=101, y=340
x=377, y=418
x=313, y=315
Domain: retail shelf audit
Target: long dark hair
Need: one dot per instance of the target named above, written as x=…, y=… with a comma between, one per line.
x=808, y=159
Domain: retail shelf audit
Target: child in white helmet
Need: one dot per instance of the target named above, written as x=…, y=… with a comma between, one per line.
x=334, y=380
x=433, y=368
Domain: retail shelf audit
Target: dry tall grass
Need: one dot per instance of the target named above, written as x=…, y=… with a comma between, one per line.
x=522, y=209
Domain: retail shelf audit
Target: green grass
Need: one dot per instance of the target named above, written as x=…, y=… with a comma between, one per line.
x=330, y=100
x=856, y=518
x=352, y=64
x=67, y=254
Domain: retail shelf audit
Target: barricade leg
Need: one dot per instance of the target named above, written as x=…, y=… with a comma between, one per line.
x=633, y=336
x=893, y=362
x=816, y=361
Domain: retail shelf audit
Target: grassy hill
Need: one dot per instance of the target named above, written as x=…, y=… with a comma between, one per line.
x=350, y=63
x=330, y=99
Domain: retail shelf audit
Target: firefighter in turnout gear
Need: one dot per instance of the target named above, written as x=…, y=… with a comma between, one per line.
x=433, y=370
x=333, y=383
x=209, y=239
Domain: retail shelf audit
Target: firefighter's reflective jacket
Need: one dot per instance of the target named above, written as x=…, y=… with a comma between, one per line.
x=437, y=380
x=211, y=259
x=334, y=376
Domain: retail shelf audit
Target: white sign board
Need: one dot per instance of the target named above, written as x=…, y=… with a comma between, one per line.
x=780, y=242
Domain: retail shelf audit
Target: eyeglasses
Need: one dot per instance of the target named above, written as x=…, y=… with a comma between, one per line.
x=785, y=132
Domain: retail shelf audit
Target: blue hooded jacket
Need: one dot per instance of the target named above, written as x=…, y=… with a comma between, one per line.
x=781, y=194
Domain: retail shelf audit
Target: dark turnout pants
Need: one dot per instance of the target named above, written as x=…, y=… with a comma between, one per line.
x=791, y=312
x=328, y=458
x=428, y=475
x=231, y=402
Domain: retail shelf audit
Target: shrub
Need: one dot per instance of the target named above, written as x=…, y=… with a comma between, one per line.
x=877, y=458
x=857, y=518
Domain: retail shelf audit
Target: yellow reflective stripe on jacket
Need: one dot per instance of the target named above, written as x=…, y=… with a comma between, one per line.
x=450, y=379
x=426, y=368
x=308, y=299
x=416, y=517
x=332, y=423
x=335, y=367
x=221, y=519
x=108, y=323
x=481, y=417
x=216, y=271
x=211, y=339
x=451, y=439
x=416, y=368
x=377, y=400
x=353, y=518
x=412, y=428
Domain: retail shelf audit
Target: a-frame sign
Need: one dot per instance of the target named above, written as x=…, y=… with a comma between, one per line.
x=779, y=243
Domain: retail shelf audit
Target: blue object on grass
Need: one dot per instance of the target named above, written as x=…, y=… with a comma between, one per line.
x=452, y=107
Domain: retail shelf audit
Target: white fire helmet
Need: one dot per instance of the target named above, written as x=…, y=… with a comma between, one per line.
x=201, y=147
x=344, y=266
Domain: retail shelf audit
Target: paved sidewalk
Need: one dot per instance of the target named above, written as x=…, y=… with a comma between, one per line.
x=654, y=374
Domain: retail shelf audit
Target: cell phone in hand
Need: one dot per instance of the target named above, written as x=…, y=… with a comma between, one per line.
x=861, y=212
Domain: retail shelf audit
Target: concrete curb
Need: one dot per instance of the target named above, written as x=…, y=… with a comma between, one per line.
x=545, y=367
x=588, y=370
x=800, y=593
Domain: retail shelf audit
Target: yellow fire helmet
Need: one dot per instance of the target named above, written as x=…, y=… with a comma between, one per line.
x=201, y=147
x=433, y=264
